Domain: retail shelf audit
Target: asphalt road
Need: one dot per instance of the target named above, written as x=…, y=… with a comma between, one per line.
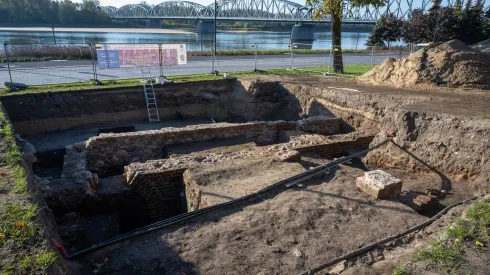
x=64, y=71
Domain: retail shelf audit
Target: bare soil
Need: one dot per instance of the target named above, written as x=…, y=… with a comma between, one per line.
x=450, y=64
x=283, y=233
x=234, y=179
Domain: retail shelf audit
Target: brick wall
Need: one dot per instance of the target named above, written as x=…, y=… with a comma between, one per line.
x=161, y=191
x=320, y=125
x=334, y=149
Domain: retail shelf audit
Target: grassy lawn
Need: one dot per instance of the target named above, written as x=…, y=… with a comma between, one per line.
x=23, y=249
x=469, y=232
x=349, y=71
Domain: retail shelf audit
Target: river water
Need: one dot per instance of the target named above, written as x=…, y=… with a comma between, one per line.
x=226, y=40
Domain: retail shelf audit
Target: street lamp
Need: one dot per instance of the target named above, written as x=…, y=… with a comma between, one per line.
x=215, y=14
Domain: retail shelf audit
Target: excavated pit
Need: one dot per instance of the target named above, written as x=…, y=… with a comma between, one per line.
x=104, y=171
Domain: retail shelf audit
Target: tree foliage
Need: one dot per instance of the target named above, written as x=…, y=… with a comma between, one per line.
x=416, y=30
x=63, y=12
x=334, y=9
x=468, y=24
x=387, y=29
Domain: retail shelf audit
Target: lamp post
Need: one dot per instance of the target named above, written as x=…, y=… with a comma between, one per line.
x=215, y=14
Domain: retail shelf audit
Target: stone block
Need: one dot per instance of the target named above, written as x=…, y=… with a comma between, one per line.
x=289, y=155
x=379, y=184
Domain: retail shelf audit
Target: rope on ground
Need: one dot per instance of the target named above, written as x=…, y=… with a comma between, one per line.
x=372, y=245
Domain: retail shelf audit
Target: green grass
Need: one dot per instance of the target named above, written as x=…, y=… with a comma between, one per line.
x=44, y=260
x=21, y=237
x=349, y=71
x=17, y=222
x=486, y=116
x=399, y=270
x=466, y=232
x=445, y=253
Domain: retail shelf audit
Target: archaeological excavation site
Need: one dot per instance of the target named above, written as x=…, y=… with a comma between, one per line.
x=256, y=175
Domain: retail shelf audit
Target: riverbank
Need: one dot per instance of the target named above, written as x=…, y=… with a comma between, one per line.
x=96, y=30
x=51, y=52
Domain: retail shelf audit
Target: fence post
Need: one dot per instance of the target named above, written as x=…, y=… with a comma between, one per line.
x=292, y=56
x=54, y=36
x=7, y=60
x=212, y=61
x=94, y=66
x=357, y=40
x=256, y=50
x=331, y=59
x=372, y=57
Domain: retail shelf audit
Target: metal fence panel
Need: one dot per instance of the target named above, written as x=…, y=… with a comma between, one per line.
x=38, y=64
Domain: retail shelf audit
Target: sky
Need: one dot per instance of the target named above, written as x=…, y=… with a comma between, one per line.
x=119, y=3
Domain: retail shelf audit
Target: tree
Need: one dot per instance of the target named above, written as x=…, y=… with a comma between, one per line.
x=416, y=30
x=443, y=24
x=472, y=23
x=67, y=12
x=388, y=28
x=334, y=9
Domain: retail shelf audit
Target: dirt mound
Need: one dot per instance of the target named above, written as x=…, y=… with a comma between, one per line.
x=450, y=64
x=483, y=46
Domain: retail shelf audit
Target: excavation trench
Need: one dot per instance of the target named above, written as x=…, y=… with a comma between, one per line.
x=105, y=173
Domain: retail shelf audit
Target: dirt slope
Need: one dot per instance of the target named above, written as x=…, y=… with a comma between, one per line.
x=450, y=64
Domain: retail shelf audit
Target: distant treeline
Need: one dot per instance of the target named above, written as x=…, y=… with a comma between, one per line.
x=66, y=12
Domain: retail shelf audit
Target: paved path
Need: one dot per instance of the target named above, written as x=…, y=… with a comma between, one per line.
x=52, y=72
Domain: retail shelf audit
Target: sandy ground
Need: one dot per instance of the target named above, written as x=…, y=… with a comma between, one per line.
x=125, y=30
x=281, y=233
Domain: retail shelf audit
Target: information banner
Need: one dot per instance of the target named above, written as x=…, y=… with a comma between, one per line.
x=140, y=55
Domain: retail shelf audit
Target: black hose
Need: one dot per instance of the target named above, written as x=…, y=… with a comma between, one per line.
x=190, y=215
x=372, y=245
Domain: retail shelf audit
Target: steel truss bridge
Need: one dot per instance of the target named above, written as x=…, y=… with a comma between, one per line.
x=262, y=10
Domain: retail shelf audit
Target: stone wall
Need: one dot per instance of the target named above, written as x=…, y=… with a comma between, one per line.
x=109, y=150
x=320, y=125
x=192, y=192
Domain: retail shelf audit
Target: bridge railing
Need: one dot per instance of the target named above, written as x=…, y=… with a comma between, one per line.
x=40, y=64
